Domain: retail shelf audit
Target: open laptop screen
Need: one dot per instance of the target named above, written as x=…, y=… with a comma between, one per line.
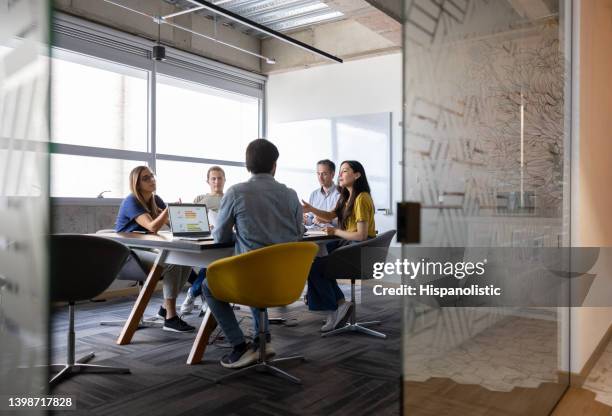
x=188, y=219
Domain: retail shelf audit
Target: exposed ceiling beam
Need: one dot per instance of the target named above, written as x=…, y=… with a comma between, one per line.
x=392, y=8
x=254, y=25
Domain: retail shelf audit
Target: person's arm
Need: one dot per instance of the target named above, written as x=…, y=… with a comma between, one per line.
x=222, y=232
x=299, y=215
x=154, y=225
x=308, y=217
x=360, y=235
x=325, y=215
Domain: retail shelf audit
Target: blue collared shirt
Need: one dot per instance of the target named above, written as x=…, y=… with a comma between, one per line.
x=324, y=201
x=263, y=211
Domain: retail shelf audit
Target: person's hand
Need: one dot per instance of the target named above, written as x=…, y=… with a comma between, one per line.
x=164, y=213
x=306, y=217
x=307, y=207
x=319, y=221
x=330, y=230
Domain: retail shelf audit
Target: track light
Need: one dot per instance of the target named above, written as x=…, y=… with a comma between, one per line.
x=159, y=52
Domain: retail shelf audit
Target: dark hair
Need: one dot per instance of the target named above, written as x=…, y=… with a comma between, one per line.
x=214, y=169
x=261, y=154
x=346, y=202
x=331, y=165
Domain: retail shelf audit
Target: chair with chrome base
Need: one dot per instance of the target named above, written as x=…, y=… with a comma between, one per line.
x=348, y=262
x=82, y=267
x=268, y=277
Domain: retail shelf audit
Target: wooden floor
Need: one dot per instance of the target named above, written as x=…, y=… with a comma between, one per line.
x=442, y=397
x=344, y=375
x=581, y=402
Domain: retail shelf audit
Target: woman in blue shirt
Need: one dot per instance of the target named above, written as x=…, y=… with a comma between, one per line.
x=143, y=211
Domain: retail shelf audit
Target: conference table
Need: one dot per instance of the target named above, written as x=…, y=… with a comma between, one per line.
x=183, y=253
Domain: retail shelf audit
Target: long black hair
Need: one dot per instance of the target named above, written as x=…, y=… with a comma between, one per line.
x=346, y=202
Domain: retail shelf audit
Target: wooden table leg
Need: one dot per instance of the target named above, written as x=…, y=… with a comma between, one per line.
x=208, y=325
x=131, y=325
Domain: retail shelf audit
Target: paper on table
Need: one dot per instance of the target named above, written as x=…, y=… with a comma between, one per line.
x=212, y=217
x=313, y=233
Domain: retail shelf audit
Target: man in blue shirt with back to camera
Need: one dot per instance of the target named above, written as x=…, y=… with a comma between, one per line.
x=263, y=212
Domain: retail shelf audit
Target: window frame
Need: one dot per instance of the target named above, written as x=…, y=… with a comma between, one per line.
x=72, y=35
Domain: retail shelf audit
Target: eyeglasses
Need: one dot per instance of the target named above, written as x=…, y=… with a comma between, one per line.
x=147, y=178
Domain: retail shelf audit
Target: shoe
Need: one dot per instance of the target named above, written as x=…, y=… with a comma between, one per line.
x=161, y=314
x=270, y=352
x=342, y=314
x=187, y=305
x=241, y=356
x=176, y=324
x=328, y=325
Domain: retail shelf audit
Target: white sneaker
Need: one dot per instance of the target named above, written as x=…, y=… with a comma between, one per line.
x=329, y=322
x=342, y=314
x=270, y=351
x=187, y=305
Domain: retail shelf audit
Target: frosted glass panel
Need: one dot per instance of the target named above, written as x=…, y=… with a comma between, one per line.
x=486, y=154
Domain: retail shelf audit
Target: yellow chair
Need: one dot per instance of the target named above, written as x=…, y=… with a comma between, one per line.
x=268, y=277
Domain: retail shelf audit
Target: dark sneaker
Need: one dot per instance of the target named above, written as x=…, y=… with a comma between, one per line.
x=176, y=324
x=161, y=313
x=241, y=356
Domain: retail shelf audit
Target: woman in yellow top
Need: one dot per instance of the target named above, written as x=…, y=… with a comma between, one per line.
x=355, y=213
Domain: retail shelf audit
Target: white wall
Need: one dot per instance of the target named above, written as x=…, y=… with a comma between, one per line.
x=371, y=85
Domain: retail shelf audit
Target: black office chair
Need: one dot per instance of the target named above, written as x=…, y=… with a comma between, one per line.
x=134, y=270
x=82, y=267
x=347, y=262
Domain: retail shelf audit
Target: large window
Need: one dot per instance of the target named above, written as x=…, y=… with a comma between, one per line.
x=195, y=120
x=184, y=180
x=98, y=103
x=365, y=137
x=102, y=110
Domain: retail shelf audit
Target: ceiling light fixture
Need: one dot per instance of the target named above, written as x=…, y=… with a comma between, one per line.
x=159, y=52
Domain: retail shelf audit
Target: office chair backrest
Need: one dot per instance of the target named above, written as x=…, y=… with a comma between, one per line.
x=270, y=276
x=355, y=261
x=83, y=266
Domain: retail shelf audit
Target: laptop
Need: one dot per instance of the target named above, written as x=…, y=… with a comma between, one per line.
x=189, y=222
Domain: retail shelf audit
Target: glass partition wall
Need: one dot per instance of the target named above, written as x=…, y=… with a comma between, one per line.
x=486, y=144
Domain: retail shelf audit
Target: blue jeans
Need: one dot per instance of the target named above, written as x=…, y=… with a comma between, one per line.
x=196, y=287
x=224, y=314
x=323, y=294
